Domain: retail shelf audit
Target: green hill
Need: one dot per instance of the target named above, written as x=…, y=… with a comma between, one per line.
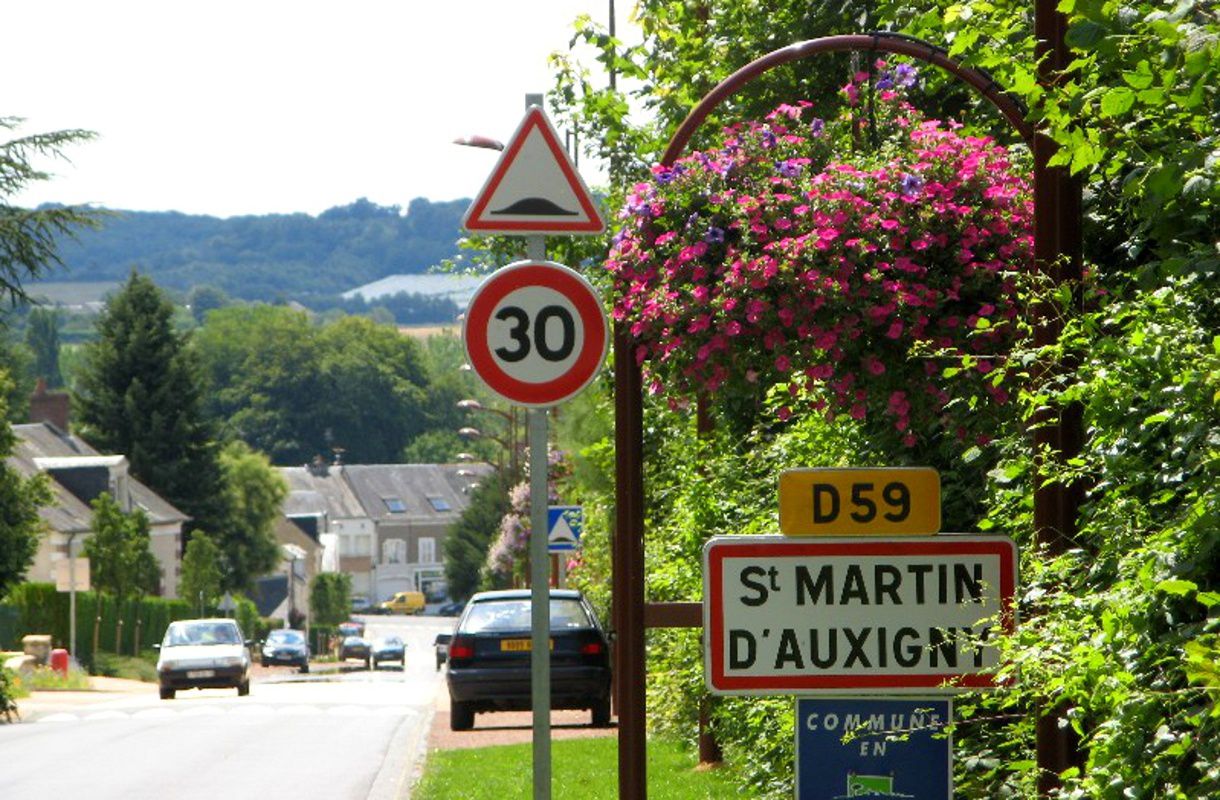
x=272, y=257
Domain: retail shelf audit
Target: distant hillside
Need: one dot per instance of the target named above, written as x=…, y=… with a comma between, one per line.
x=271, y=257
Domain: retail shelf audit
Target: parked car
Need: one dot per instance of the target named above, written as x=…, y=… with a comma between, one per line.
x=452, y=609
x=489, y=657
x=356, y=647
x=362, y=605
x=351, y=628
x=404, y=603
x=389, y=648
x=203, y=654
x=286, y=646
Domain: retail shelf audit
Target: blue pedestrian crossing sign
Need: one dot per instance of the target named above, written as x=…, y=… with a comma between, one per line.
x=564, y=525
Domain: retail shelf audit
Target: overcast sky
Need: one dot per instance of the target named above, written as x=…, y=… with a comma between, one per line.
x=231, y=107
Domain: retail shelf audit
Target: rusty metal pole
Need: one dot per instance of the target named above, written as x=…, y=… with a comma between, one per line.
x=628, y=568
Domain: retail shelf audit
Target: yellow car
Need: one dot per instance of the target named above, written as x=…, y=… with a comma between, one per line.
x=403, y=603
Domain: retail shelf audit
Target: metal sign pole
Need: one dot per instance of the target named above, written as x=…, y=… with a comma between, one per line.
x=540, y=584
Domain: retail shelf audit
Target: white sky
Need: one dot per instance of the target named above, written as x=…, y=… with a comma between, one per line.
x=230, y=107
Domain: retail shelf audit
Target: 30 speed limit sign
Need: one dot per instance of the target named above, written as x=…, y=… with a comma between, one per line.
x=535, y=332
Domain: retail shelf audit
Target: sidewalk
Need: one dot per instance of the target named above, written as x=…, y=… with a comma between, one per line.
x=507, y=727
x=52, y=701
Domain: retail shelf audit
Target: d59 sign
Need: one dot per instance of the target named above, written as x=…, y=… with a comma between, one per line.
x=859, y=502
x=535, y=332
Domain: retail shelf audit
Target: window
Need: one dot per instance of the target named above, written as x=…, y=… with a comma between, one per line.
x=395, y=505
x=427, y=550
x=440, y=504
x=393, y=551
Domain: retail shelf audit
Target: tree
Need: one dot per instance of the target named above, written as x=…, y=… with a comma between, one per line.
x=254, y=495
x=203, y=299
x=42, y=337
x=119, y=553
x=295, y=390
x=20, y=499
x=140, y=394
x=201, y=578
x=469, y=538
x=30, y=239
x=330, y=597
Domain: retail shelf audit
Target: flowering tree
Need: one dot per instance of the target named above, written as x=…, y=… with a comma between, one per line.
x=508, y=555
x=866, y=264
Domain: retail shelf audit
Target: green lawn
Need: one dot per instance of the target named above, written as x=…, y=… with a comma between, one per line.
x=582, y=769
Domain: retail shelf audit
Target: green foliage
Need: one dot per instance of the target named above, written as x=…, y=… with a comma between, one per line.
x=20, y=499
x=140, y=394
x=132, y=668
x=254, y=496
x=200, y=580
x=117, y=550
x=42, y=337
x=42, y=609
x=467, y=541
x=270, y=257
x=32, y=241
x=330, y=598
x=295, y=390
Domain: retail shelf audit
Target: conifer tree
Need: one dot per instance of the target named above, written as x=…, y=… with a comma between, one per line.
x=139, y=395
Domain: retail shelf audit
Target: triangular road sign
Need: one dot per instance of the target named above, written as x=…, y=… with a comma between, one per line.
x=534, y=188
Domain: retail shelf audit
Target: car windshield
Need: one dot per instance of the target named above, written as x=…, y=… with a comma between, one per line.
x=389, y=641
x=514, y=615
x=203, y=633
x=286, y=637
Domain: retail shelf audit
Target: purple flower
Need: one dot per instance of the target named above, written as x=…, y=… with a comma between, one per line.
x=789, y=169
x=817, y=126
x=886, y=81
x=666, y=175
x=905, y=75
x=768, y=139
x=912, y=185
x=714, y=235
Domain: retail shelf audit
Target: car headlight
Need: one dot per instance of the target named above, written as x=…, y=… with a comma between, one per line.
x=167, y=664
x=229, y=661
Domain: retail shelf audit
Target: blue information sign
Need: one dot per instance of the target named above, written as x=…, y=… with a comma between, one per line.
x=873, y=749
x=564, y=524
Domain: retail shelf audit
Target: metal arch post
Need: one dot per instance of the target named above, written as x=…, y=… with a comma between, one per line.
x=1056, y=238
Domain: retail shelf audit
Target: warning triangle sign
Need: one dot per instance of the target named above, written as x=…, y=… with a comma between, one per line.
x=534, y=188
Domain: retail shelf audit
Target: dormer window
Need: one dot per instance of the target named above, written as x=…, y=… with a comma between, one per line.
x=395, y=505
x=440, y=504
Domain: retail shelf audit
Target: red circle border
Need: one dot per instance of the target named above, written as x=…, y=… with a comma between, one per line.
x=576, y=290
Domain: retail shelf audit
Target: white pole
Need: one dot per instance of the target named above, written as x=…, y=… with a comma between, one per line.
x=540, y=583
x=71, y=595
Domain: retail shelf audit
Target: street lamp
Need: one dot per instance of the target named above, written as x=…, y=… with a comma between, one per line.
x=510, y=418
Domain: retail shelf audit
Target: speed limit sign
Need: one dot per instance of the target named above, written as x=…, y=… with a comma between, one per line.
x=535, y=332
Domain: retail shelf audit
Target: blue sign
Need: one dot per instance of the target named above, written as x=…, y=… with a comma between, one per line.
x=564, y=525
x=873, y=749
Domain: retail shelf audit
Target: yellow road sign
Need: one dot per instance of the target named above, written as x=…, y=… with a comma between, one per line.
x=859, y=502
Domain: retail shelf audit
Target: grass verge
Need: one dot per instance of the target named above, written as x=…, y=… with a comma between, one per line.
x=143, y=668
x=581, y=769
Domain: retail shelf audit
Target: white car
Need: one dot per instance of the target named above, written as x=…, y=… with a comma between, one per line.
x=203, y=654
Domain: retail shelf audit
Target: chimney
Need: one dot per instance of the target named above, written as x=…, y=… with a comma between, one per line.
x=52, y=407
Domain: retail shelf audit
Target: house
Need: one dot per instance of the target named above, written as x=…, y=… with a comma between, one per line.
x=319, y=491
x=78, y=474
x=390, y=519
x=284, y=593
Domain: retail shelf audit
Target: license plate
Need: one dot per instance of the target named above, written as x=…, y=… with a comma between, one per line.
x=201, y=673
x=519, y=645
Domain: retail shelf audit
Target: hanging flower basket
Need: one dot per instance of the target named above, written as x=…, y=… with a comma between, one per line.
x=871, y=269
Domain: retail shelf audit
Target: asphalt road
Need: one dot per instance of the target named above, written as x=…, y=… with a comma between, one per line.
x=356, y=736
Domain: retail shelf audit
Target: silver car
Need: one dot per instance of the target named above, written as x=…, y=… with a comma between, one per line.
x=203, y=654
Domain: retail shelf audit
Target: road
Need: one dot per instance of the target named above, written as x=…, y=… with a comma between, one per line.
x=356, y=736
